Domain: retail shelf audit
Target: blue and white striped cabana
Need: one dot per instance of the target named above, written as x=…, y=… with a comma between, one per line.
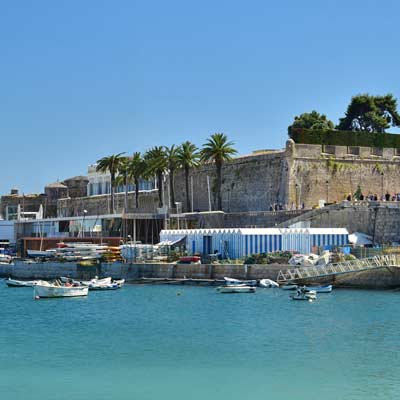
x=241, y=242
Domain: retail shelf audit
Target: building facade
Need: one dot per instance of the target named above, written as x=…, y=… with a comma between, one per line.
x=15, y=206
x=239, y=243
x=99, y=183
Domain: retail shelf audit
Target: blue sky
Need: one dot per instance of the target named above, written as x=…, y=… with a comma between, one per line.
x=84, y=79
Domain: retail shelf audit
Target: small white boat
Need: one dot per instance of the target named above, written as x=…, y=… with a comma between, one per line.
x=236, y=289
x=16, y=283
x=238, y=282
x=108, y=286
x=320, y=289
x=120, y=282
x=40, y=253
x=5, y=259
x=268, y=283
x=52, y=290
x=94, y=281
x=289, y=286
x=302, y=294
x=97, y=281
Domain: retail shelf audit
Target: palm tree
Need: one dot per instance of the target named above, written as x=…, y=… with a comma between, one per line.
x=218, y=149
x=173, y=163
x=157, y=164
x=188, y=157
x=123, y=179
x=136, y=171
x=110, y=164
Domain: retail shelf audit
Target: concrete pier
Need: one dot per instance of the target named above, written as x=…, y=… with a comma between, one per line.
x=384, y=278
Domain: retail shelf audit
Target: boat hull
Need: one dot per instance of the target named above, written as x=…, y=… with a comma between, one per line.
x=16, y=283
x=289, y=287
x=238, y=282
x=59, y=291
x=308, y=296
x=320, y=289
x=236, y=289
x=268, y=283
x=110, y=286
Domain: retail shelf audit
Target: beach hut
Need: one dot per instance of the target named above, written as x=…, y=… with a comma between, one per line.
x=242, y=242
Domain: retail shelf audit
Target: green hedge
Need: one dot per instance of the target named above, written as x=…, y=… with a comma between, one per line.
x=345, y=138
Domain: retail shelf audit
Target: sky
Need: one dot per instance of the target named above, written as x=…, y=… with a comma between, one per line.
x=83, y=79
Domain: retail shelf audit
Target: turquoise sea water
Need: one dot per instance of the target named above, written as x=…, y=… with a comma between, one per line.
x=146, y=342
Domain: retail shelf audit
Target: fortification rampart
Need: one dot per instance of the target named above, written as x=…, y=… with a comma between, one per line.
x=299, y=176
x=316, y=174
x=250, y=183
x=101, y=204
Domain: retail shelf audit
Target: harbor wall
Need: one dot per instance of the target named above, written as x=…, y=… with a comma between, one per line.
x=380, y=220
x=52, y=270
x=384, y=278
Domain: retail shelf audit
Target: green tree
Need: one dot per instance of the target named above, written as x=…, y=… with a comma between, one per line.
x=122, y=179
x=171, y=154
x=218, y=149
x=157, y=164
x=136, y=171
x=370, y=113
x=312, y=120
x=188, y=156
x=111, y=164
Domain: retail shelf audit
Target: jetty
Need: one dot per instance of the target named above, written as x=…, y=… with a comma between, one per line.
x=179, y=281
x=331, y=269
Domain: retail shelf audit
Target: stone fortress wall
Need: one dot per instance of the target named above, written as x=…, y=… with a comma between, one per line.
x=332, y=176
x=298, y=176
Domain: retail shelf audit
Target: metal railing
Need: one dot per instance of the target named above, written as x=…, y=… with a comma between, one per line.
x=292, y=275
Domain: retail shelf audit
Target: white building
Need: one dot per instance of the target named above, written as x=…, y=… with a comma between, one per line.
x=100, y=183
x=242, y=242
x=7, y=233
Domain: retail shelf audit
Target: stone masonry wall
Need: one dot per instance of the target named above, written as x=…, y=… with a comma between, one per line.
x=97, y=205
x=332, y=177
x=380, y=220
x=250, y=183
x=298, y=175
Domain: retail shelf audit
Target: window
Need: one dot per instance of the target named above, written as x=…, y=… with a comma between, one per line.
x=377, y=151
x=397, y=152
x=328, y=149
x=353, y=150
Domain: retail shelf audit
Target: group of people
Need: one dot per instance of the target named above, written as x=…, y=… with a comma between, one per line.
x=284, y=207
x=374, y=197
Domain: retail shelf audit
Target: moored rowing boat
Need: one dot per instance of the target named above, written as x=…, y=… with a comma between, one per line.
x=51, y=290
x=320, y=289
x=236, y=289
x=16, y=283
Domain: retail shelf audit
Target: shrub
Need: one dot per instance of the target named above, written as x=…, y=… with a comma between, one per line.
x=279, y=257
x=345, y=138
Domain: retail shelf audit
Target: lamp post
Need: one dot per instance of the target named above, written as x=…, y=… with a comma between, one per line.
x=382, y=175
x=83, y=223
x=297, y=195
x=178, y=204
x=327, y=191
